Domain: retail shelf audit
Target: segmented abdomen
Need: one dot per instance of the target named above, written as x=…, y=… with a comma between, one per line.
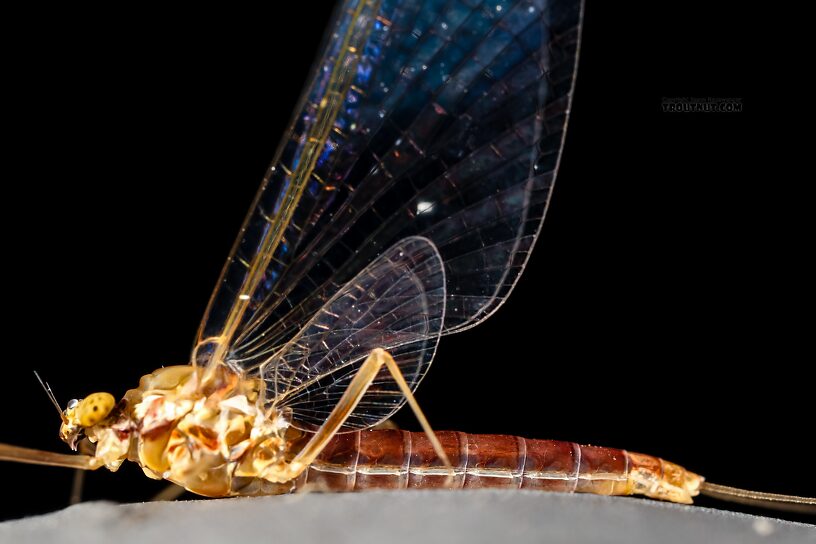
x=391, y=459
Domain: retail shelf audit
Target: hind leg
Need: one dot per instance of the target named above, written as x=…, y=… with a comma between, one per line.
x=348, y=402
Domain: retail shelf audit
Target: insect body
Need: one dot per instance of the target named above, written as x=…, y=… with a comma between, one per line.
x=216, y=439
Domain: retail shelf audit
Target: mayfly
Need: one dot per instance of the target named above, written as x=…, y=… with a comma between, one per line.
x=401, y=206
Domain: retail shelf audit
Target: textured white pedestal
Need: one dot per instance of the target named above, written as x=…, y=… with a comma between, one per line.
x=412, y=517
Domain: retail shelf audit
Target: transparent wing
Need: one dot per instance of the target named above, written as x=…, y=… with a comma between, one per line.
x=438, y=118
x=396, y=303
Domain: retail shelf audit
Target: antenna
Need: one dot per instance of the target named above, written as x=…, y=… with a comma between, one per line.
x=50, y=395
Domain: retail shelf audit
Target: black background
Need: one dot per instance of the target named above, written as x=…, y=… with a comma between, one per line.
x=667, y=308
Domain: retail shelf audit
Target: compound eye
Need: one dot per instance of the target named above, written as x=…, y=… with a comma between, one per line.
x=94, y=408
x=72, y=404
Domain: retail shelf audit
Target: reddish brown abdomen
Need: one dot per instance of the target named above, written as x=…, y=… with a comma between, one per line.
x=391, y=459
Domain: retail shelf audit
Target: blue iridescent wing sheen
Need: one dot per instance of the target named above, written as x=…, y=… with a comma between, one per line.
x=438, y=118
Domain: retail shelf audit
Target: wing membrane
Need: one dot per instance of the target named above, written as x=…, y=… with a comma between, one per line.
x=438, y=118
x=396, y=303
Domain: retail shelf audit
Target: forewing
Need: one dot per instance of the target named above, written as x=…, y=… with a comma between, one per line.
x=443, y=119
x=396, y=303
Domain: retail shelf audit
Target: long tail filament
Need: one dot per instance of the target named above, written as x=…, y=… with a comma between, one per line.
x=774, y=501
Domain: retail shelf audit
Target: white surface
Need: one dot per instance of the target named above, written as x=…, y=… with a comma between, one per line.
x=415, y=517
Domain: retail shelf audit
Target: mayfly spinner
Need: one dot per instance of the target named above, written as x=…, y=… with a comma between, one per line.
x=401, y=206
